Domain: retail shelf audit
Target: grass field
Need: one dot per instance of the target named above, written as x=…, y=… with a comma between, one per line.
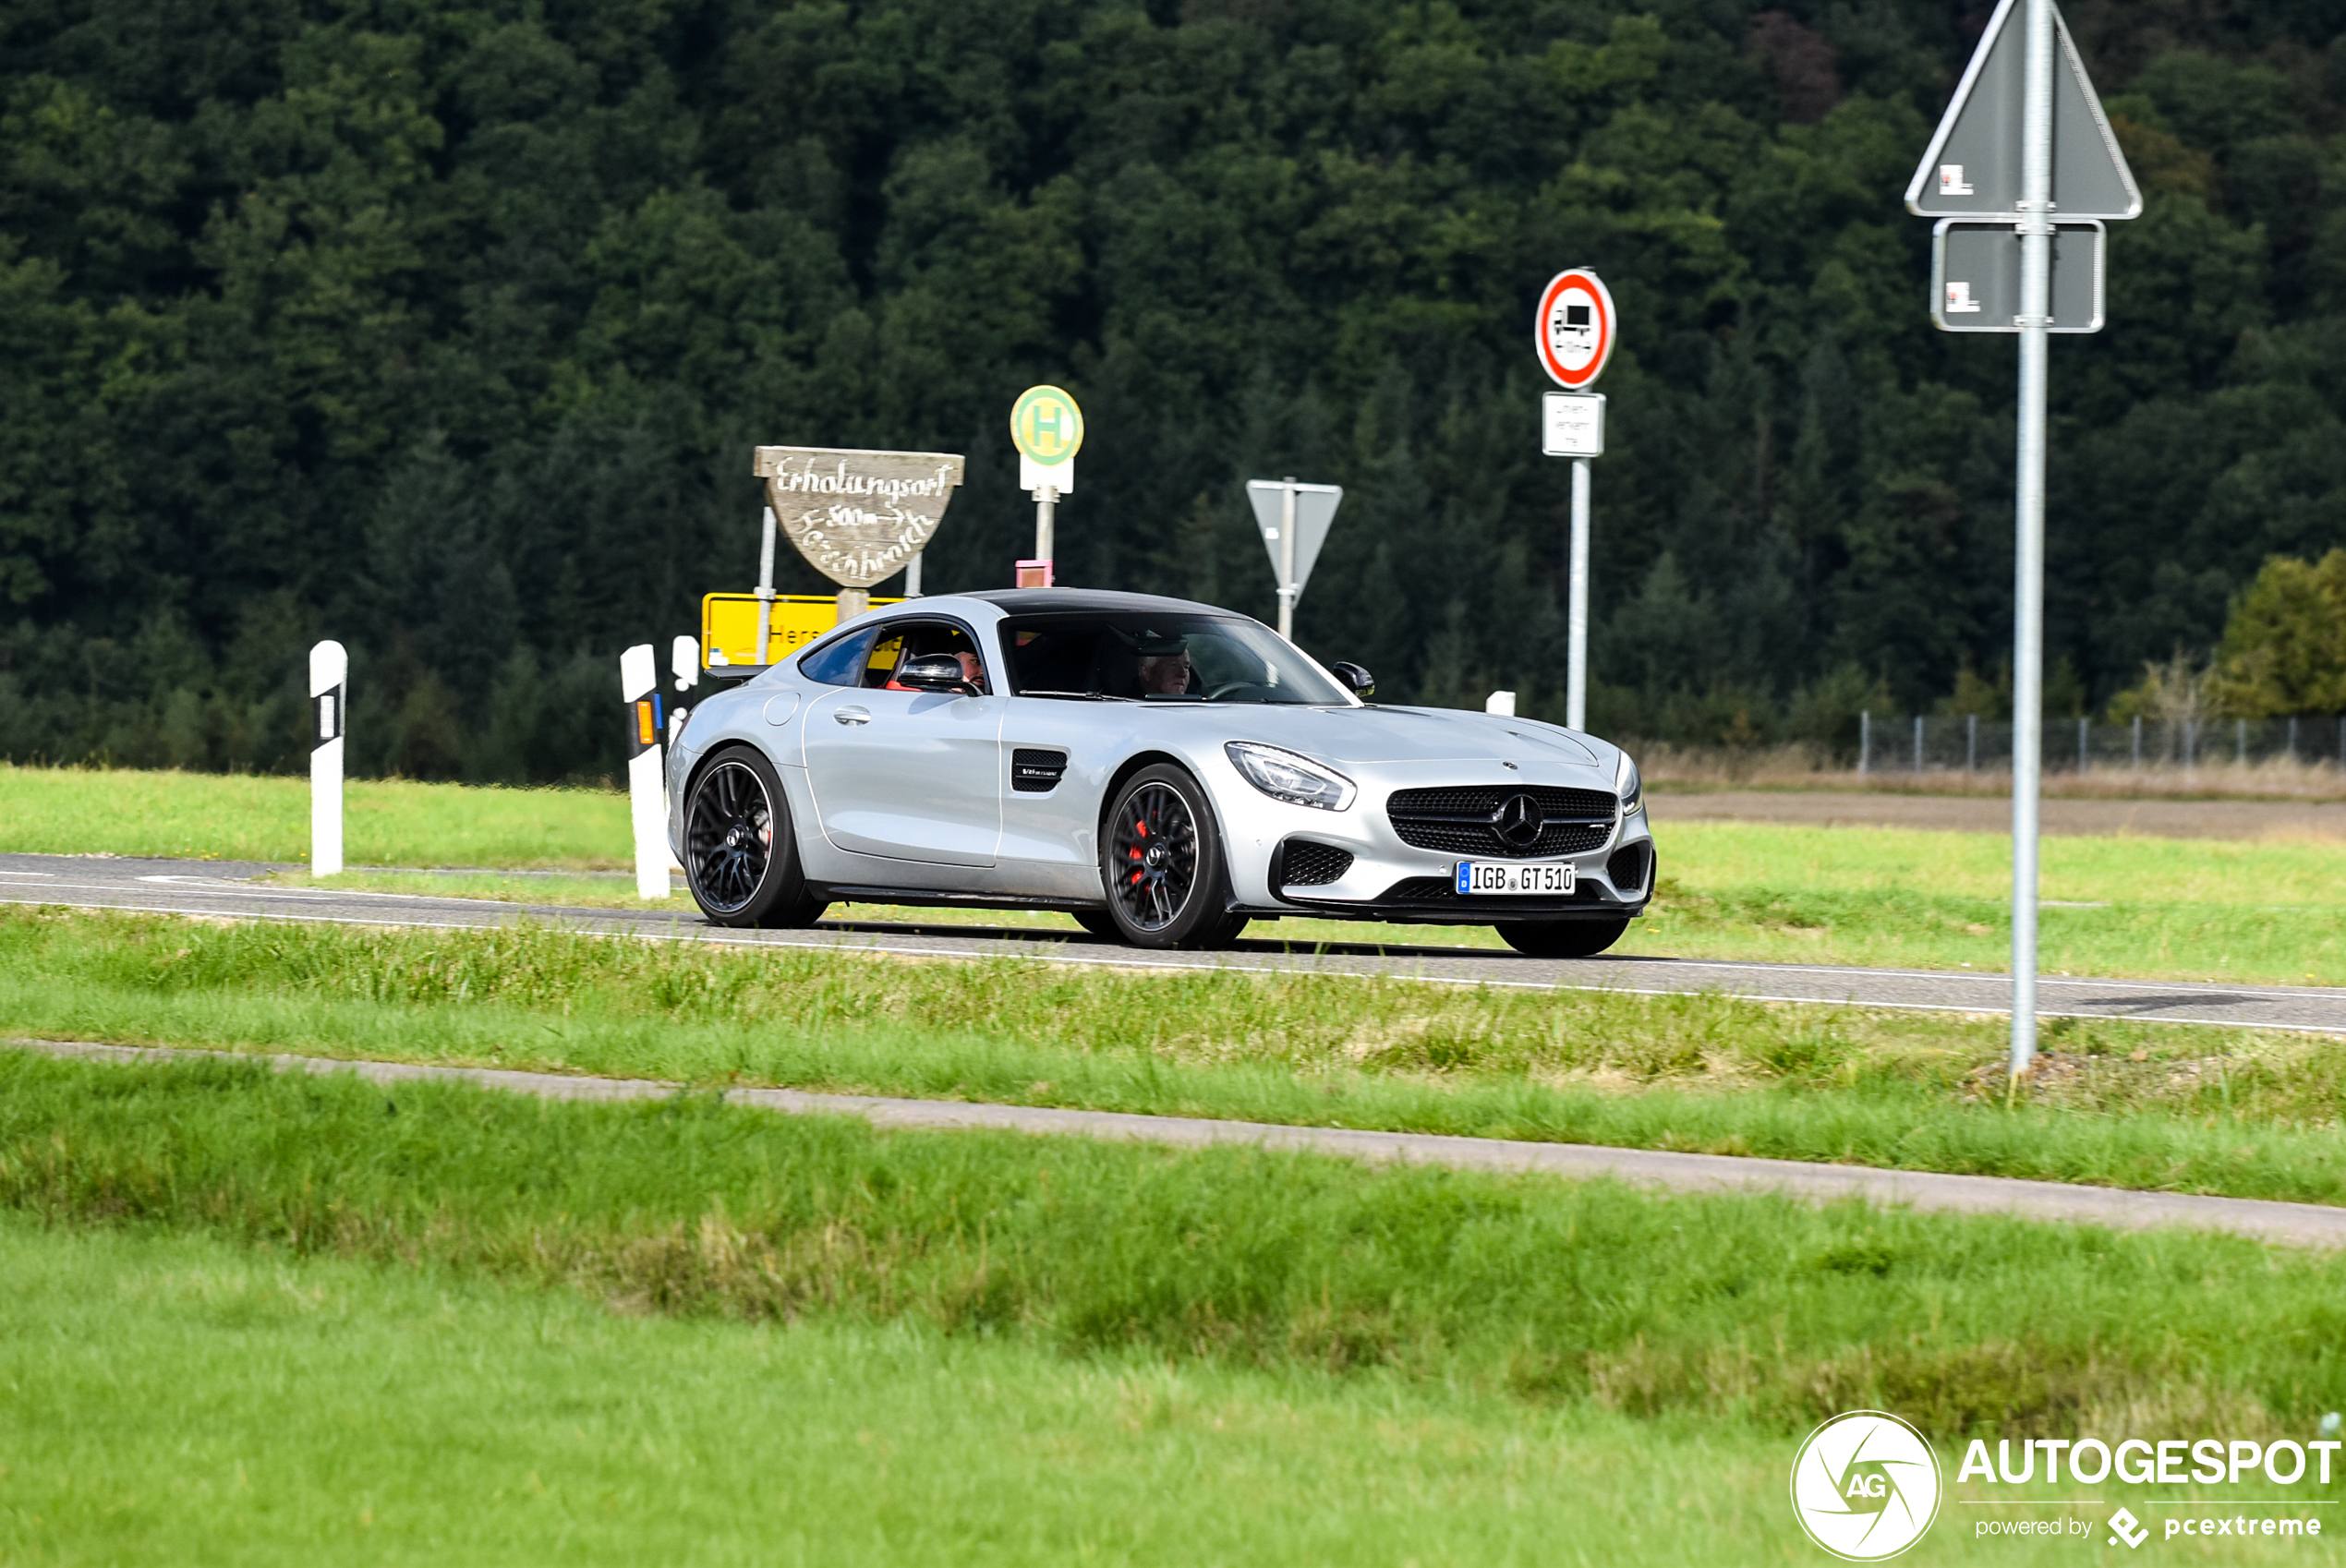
x=265, y=1319
x=2153, y=1107
x=179, y=1398
x=1524, y=1287
x=2159, y=907
x=69, y=811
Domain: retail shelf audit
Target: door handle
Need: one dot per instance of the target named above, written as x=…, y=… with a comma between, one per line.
x=852, y=715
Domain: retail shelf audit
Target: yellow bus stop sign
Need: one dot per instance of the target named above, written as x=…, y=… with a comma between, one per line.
x=1046, y=427
x=729, y=627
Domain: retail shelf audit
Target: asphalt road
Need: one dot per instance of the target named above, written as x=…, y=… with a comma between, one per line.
x=223, y=888
x=2300, y=1224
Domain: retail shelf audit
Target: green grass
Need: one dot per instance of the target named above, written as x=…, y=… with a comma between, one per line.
x=1523, y=1288
x=2204, y=1110
x=179, y=1398
x=71, y=811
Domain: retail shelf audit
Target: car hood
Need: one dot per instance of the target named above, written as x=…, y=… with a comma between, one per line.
x=1375, y=734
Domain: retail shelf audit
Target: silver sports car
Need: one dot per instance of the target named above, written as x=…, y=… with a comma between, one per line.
x=1163, y=771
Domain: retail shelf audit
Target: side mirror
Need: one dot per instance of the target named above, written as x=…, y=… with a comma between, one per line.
x=936, y=672
x=1361, y=683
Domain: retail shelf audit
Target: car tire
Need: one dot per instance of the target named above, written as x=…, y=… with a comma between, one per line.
x=1162, y=863
x=1099, y=922
x=1562, y=938
x=740, y=856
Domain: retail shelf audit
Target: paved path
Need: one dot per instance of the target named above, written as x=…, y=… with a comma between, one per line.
x=2062, y=816
x=2299, y=1224
x=220, y=889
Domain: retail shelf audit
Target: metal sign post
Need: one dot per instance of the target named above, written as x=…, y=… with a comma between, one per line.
x=328, y=706
x=1293, y=519
x=2024, y=138
x=1574, y=334
x=1047, y=429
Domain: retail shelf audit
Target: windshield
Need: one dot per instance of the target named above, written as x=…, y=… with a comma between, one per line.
x=1153, y=658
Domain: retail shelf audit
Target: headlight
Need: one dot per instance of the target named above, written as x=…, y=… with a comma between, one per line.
x=1284, y=775
x=1630, y=786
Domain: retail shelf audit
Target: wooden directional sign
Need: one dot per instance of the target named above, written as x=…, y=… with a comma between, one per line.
x=1972, y=169
x=1575, y=328
x=1975, y=276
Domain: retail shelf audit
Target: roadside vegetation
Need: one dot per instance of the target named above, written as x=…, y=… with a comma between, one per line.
x=2137, y=1106
x=75, y=811
x=1522, y=1287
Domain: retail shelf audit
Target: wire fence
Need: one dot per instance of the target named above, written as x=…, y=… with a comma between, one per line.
x=1966, y=743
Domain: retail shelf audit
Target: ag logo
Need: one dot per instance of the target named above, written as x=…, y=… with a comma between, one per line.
x=1865, y=1486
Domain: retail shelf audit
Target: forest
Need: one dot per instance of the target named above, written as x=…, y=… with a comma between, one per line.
x=446, y=329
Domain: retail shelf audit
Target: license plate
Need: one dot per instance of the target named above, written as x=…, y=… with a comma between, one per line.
x=1550, y=878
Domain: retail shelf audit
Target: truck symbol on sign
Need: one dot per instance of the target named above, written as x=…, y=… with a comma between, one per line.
x=1573, y=331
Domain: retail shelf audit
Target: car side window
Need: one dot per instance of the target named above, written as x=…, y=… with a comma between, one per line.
x=908, y=640
x=841, y=663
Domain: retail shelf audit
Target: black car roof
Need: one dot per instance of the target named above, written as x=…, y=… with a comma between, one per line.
x=1058, y=601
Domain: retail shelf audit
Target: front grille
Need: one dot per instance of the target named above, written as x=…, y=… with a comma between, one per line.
x=1303, y=863
x=1628, y=866
x=1466, y=821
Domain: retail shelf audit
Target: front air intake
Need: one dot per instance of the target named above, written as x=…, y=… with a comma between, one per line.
x=1303, y=863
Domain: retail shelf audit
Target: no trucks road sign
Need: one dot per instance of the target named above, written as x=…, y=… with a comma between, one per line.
x=1574, y=330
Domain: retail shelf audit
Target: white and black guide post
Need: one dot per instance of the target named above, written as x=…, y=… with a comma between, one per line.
x=683, y=663
x=647, y=788
x=2024, y=142
x=329, y=704
x=1294, y=519
x=1573, y=332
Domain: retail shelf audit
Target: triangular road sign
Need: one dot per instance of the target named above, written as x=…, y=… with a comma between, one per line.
x=1973, y=167
x=1314, y=509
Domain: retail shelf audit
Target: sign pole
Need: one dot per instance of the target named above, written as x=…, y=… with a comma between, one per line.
x=766, y=589
x=2028, y=512
x=329, y=699
x=1574, y=332
x=1576, y=677
x=1286, y=559
x=1046, y=502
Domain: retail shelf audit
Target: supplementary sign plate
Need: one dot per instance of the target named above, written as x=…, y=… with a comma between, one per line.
x=1572, y=423
x=1975, y=276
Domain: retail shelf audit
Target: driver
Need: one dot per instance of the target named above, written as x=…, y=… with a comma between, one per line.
x=1166, y=674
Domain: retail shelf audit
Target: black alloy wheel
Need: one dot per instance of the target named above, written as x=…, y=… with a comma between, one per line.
x=1562, y=938
x=740, y=860
x=1161, y=858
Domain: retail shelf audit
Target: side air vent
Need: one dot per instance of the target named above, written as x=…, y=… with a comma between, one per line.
x=1037, y=772
x=1303, y=863
x=1629, y=866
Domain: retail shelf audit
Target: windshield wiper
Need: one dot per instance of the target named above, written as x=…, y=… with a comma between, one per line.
x=1078, y=696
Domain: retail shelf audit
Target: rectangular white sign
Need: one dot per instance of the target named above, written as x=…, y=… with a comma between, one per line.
x=1572, y=423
